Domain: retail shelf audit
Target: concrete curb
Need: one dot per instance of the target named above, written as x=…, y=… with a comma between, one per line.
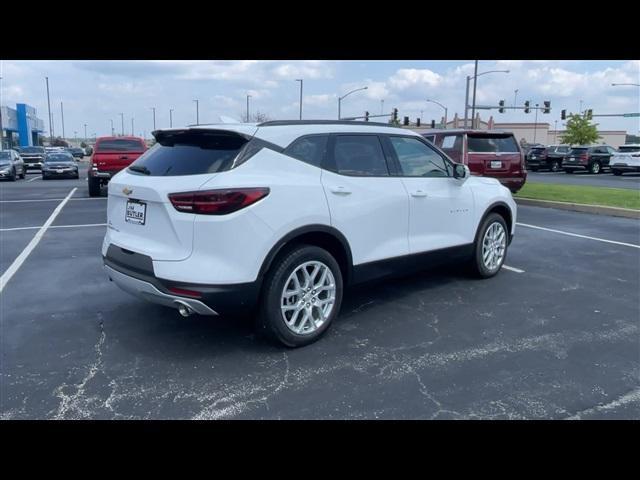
x=578, y=207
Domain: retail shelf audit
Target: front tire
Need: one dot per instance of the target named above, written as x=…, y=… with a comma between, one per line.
x=568, y=170
x=490, y=247
x=24, y=173
x=555, y=166
x=302, y=295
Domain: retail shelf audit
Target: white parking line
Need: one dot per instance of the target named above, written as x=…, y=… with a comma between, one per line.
x=34, y=178
x=13, y=268
x=54, y=226
x=578, y=235
x=51, y=200
x=512, y=269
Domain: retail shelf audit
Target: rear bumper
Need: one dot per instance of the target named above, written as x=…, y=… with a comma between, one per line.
x=574, y=166
x=134, y=274
x=512, y=183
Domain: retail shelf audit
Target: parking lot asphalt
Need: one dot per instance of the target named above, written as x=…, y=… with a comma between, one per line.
x=628, y=180
x=556, y=336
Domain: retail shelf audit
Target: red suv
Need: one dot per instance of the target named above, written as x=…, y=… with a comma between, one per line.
x=488, y=153
x=110, y=155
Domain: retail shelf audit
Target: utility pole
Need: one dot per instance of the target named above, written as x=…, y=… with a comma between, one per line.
x=535, y=125
x=197, y=112
x=85, y=133
x=248, y=97
x=170, y=118
x=122, y=120
x=62, y=114
x=154, y=117
x=132, y=129
x=111, y=120
x=515, y=97
x=1, y=127
x=49, y=108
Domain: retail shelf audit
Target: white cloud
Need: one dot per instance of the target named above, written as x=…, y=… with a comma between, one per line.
x=411, y=77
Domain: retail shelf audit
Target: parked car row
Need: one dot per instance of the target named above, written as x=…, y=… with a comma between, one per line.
x=51, y=161
x=590, y=158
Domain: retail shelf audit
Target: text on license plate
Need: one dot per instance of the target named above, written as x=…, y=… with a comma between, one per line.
x=496, y=164
x=135, y=212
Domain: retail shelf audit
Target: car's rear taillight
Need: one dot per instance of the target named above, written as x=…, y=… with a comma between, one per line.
x=217, y=202
x=584, y=157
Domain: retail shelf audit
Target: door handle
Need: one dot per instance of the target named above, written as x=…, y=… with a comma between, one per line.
x=340, y=190
x=419, y=193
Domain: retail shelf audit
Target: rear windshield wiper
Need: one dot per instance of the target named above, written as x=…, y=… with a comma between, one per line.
x=140, y=168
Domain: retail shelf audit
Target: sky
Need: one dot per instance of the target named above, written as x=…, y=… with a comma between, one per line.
x=95, y=92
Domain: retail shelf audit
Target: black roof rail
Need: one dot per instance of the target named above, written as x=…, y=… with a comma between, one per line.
x=278, y=123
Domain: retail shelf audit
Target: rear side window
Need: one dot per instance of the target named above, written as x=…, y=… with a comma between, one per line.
x=452, y=142
x=430, y=138
x=189, y=154
x=537, y=150
x=309, y=149
x=578, y=151
x=359, y=155
x=479, y=143
x=120, y=145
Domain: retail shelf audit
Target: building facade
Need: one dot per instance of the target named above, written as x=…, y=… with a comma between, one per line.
x=20, y=126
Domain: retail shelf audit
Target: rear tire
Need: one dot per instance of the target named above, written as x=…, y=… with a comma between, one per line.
x=490, y=247
x=314, y=304
x=566, y=170
x=595, y=168
x=555, y=166
x=94, y=187
x=24, y=173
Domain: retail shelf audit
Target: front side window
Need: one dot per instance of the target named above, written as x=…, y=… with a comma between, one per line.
x=629, y=148
x=418, y=160
x=308, y=149
x=359, y=155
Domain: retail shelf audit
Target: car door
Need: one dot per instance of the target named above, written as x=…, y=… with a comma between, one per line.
x=367, y=205
x=610, y=153
x=441, y=208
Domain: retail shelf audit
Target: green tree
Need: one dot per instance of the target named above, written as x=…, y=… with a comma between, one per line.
x=580, y=131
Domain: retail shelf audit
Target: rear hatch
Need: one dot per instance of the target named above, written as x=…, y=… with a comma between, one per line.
x=112, y=155
x=140, y=216
x=494, y=154
x=537, y=153
x=577, y=156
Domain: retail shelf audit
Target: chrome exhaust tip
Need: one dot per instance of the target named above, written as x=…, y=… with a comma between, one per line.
x=184, y=309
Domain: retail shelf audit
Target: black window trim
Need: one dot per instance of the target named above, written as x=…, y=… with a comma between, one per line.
x=329, y=162
x=253, y=146
x=326, y=148
x=398, y=169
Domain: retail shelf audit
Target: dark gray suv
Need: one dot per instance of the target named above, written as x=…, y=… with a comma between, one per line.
x=592, y=158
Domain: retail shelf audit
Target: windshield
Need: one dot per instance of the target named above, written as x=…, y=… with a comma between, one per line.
x=31, y=150
x=629, y=148
x=488, y=143
x=119, y=145
x=58, y=157
x=561, y=149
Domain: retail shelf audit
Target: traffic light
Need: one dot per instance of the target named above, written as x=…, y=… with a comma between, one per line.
x=406, y=121
x=433, y=124
x=563, y=115
x=526, y=107
x=589, y=114
x=501, y=104
x=395, y=115
x=366, y=116
x=417, y=122
x=547, y=107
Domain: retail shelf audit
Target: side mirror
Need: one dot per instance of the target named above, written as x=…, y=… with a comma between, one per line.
x=460, y=171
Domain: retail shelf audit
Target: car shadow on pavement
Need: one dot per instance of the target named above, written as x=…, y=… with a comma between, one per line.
x=153, y=330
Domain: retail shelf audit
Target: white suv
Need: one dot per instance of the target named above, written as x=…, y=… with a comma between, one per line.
x=283, y=215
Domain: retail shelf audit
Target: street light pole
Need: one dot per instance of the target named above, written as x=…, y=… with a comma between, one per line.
x=1, y=127
x=122, y=120
x=629, y=84
x=381, y=107
x=475, y=83
x=515, y=98
x=62, y=114
x=154, y=117
x=466, y=102
x=300, y=80
x=535, y=125
x=49, y=108
x=248, y=97
x=197, y=112
x=445, y=111
x=132, y=129
x=111, y=120
x=75, y=137
x=85, y=132
x=346, y=95
x=170, y=118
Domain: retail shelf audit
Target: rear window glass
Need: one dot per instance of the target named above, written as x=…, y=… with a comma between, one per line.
x=189, y=154
x=58, y=157
x=119, y=145
x=479, y=143
x=537, y=150
x=562, y=149
x=624, y=148
x=578, y=150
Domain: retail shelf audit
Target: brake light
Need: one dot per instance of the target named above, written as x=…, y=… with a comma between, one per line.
x=217, y=202
x=584, y=157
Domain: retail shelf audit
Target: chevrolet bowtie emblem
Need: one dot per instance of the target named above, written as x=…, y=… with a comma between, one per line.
x=127, y=191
